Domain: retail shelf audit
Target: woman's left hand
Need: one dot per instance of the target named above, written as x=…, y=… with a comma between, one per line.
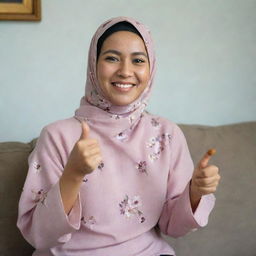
x=205, y=179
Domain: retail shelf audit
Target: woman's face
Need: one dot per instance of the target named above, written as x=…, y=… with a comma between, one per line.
x=123, y=67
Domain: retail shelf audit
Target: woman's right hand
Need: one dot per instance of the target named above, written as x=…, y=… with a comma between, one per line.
x=85, y=155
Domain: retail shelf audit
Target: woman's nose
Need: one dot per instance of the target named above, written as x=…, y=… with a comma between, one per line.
x=125, y=69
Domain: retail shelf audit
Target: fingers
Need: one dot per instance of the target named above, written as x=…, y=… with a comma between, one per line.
x=92, y=150
x=207, y=182
x=209, y=171
x=206, y=158
x=84, y=138
x=93, y=162
x=85, y=130
x=206, y=177
x=205, y=185
x=85, y=156
x=211, y=152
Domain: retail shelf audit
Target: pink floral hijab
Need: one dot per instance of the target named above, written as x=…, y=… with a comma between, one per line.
x=97, y=110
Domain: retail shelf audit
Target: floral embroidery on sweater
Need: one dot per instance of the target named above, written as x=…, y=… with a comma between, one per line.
x=142, y=167
x=37, y=167
x=101, y=165
x=131, y=119
x=157, y=144
x=122, y=136
x=39, y=196
x=155, y=123
x=130, y=207
x=116, y=117
x=89, y=221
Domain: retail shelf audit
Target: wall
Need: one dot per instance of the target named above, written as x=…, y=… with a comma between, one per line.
x=206, y=61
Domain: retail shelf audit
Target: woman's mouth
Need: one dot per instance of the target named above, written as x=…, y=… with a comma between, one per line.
x=121, y=87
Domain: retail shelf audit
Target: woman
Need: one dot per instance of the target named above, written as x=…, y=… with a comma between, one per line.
x=100, y=182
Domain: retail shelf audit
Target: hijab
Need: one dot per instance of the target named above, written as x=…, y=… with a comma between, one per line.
x=95, y=109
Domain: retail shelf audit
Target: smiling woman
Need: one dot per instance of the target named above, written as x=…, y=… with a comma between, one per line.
x=29, y=10
x=101, y=181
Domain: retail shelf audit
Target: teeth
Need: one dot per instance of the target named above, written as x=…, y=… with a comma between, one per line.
x=123, y=85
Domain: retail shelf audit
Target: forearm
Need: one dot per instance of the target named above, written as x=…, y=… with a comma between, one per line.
x=70, y=183
x=194, y=199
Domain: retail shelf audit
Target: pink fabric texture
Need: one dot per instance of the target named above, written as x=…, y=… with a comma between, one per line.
x=143, y=179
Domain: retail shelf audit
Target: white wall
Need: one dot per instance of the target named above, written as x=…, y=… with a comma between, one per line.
x=206, y=61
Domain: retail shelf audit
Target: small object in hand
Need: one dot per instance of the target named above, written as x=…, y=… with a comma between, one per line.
x=211, y=152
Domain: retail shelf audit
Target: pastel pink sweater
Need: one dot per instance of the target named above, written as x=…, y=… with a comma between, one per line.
x=119, y=203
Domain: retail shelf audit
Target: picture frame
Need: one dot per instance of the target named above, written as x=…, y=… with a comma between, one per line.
x=23, y=10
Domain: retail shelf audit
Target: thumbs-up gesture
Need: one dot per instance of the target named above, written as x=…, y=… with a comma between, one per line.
x=205, y=178
x=85, y=156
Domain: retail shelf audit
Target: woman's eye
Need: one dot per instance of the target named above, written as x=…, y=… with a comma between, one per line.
x=138, y=61
x=111, y=58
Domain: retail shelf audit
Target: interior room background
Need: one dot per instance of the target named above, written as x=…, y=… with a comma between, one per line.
x=206, y=59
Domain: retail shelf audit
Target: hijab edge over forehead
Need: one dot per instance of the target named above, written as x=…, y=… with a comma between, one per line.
x=118, y=27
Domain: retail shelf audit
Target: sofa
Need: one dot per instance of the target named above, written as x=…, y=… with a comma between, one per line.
x=231, y=230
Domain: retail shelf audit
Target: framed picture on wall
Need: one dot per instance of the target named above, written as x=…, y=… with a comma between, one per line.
x=29, y=10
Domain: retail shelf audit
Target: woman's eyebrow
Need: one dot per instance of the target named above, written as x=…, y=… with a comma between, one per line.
x=140, y=53
x=119, y=53
x=112, y=51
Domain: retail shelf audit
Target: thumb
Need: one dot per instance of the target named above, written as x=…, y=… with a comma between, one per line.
x=85, y=130
x=206, y=158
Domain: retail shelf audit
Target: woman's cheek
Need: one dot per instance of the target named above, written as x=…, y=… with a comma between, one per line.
x=144, y=75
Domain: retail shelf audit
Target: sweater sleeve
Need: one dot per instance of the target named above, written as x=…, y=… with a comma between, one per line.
x=177, y=218
x=41, y=218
